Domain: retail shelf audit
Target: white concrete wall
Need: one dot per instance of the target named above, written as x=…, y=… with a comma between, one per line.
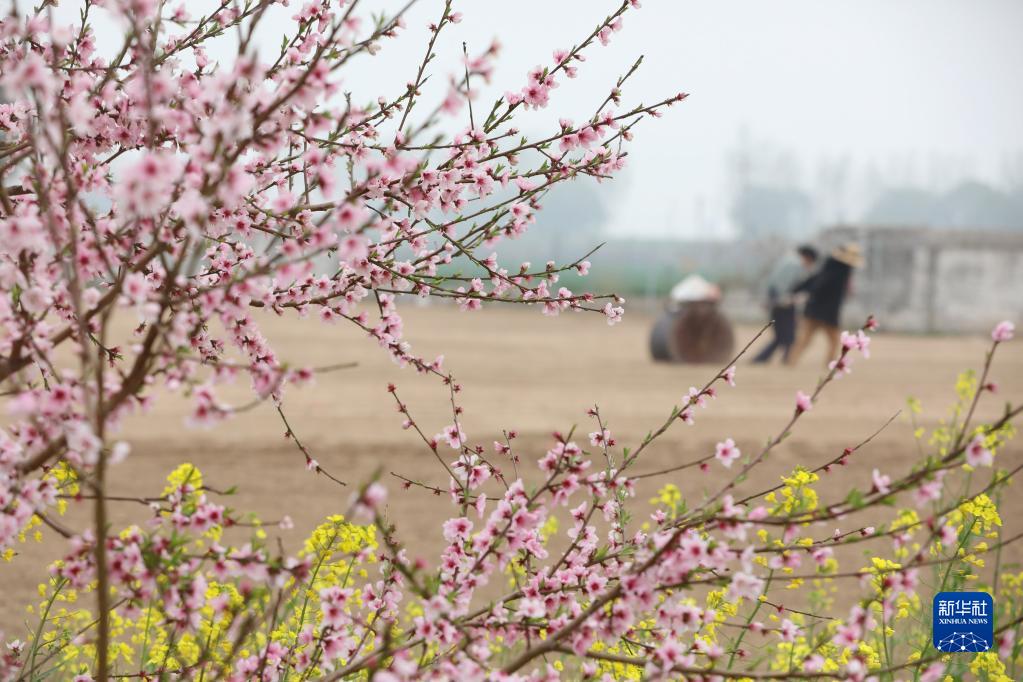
x=923, y=280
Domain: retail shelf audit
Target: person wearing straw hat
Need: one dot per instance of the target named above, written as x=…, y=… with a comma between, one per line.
x=826, y=292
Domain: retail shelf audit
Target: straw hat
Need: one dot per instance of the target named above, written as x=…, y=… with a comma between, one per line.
x=694, y=288
x=849, y=254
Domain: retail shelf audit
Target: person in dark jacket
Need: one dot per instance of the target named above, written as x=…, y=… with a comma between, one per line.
x=783, y=279
x=826, y=292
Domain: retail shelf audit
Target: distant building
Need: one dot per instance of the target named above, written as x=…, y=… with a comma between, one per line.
x=934, y=280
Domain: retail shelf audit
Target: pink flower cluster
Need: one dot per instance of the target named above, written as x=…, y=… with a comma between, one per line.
x=201, y=196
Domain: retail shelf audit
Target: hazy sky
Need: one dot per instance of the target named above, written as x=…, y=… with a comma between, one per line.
x=882, y=80
x=896, y=83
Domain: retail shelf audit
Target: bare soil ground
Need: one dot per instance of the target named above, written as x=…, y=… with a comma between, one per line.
x=533, y=374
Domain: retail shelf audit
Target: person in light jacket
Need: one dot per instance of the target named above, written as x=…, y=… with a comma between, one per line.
x=785, y=277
